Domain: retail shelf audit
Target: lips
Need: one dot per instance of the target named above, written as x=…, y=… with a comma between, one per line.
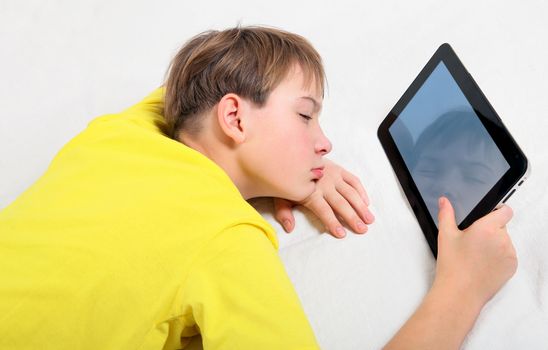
x=318, y=173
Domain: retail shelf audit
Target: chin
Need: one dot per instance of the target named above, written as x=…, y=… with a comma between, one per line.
x=297, y=192
x=304, y=191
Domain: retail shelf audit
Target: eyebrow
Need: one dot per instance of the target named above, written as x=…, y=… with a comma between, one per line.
x=317, y=104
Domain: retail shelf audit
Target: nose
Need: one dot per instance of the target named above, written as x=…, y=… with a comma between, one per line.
x=323, y=145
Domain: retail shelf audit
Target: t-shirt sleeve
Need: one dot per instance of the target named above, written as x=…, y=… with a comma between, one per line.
x=240, y=296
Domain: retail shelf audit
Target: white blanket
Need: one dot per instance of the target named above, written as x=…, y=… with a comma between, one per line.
x=64, y=63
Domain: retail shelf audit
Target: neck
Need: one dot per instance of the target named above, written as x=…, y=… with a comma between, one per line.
x=224, y=156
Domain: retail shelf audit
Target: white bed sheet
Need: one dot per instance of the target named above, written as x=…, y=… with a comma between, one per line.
x=64, y=63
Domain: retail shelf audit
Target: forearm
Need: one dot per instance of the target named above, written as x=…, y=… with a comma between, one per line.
x=441, y=322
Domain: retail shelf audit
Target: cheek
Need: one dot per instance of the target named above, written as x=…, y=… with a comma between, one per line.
x=290, y=143
x=298, y=140
x=298, y=151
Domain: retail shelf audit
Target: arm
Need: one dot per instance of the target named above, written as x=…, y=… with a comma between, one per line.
x=472, y=266
x=240, y=296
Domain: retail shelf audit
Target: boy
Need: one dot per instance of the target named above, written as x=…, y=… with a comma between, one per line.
x=133, y=239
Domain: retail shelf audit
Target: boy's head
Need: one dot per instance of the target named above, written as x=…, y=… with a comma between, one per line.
x=243, y=97
x=247, y=61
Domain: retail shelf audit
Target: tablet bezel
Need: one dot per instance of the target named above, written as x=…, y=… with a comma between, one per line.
x=490, y=120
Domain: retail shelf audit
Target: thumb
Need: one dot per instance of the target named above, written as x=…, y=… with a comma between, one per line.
x=283, y=213
x=446, y=216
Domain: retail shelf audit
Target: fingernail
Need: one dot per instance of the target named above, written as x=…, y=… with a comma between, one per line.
x=440, y=202
x=287, y=225
x=340, y=231
x=361, y=226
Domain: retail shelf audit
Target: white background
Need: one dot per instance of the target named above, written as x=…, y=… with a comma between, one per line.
x=65, y=62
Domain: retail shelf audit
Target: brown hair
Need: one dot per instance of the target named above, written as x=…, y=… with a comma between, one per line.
x=248, y=61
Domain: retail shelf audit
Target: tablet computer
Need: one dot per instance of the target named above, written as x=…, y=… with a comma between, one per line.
x=443, y=138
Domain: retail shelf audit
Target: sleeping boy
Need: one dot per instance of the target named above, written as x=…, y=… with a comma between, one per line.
x=139, y=234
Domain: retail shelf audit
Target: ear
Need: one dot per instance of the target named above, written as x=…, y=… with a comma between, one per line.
x=229, y=116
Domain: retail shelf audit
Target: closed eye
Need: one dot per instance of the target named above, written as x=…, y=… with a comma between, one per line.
x=307, y=117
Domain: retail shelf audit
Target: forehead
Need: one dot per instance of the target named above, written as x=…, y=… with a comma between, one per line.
x=299, y=86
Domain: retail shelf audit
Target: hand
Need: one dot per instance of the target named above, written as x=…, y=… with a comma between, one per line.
x=476, y=261
x=338, y=192
x=472, y=266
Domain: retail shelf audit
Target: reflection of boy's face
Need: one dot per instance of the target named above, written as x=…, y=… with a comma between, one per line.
x=454, y=170
x=284, y=157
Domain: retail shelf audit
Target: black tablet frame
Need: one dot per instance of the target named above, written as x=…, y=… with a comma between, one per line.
x=489, y=118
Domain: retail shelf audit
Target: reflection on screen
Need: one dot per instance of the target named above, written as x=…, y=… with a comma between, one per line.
x=445, y=146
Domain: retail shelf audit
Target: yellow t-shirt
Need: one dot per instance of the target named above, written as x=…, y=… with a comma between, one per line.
x=132, y=240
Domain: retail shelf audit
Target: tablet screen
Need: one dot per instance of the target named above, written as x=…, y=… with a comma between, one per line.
x=445, y=146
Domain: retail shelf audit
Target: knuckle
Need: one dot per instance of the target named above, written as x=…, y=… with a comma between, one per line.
x=340, y=202
x=343, y=189
x=355, y=218
x=362, y=206
x=354, y=178
x=323, y=212
x=362, y=209
x=332, y=224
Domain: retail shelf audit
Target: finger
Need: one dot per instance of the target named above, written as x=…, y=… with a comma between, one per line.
x=283, y=212
x=355, y=182
x=356, y=201
x=446, y=216
x=498, y=217
x=345, y=210
x=325, y=213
